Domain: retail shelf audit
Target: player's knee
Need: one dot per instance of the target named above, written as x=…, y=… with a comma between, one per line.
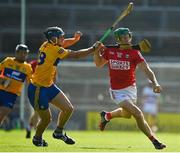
x=138, y=114
x=69, y=109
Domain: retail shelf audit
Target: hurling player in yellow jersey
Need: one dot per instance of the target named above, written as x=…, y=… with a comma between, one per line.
x=34, y=117
x=14, y=71
x=42, y=89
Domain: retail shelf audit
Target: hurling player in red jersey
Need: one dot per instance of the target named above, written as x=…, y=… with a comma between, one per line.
x=122, y=61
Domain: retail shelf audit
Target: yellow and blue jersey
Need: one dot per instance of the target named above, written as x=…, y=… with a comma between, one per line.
x=49, y=56
x=16, y=73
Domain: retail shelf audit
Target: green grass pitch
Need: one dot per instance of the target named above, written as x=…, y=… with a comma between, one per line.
x=89, y=141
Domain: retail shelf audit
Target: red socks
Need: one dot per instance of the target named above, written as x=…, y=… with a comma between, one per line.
x=108, y=116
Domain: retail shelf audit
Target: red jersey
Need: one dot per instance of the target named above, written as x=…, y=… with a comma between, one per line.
x=122, y=65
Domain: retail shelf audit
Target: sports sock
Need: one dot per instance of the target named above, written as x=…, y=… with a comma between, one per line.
x=108, y=116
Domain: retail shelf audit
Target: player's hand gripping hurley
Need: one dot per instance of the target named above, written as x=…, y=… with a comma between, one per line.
x=121, y=16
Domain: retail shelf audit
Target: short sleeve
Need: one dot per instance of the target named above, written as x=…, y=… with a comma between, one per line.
x=138, y=57
x=62, y=53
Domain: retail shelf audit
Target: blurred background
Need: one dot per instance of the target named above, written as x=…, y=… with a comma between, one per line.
x=87, y=86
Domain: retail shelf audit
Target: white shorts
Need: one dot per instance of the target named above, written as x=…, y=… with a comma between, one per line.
x=128, y=93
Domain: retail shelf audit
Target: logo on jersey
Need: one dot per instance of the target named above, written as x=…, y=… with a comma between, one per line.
x=119, y=65
x=16, y=75
x=61, y=50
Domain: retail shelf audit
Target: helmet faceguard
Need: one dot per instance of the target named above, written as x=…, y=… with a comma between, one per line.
x=118, y=33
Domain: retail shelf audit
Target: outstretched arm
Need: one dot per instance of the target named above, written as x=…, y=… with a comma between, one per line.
x=80, y=53
x=71, y=41
x=83, y=52
x=151, y=76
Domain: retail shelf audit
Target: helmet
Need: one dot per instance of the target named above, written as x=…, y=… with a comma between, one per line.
x=122, y=31
x=53, y=32
x=21, y=47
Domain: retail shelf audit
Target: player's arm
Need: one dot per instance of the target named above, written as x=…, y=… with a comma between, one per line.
x=80, y=53
x=83, y=52
x=71, y=41
x=98, y=58
x=151, y=76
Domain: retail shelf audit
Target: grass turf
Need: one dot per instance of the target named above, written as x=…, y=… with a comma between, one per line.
x=88, y=141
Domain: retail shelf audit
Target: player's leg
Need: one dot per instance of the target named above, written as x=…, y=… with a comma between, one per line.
x=62, y=103
x=7, y=101
x=32, y=123
x=120, y=112
x=38, y=98
x=117, y=96
x=138, y=115
x=141, y=122
x=45, y=119
x=4, y=111
x=107, y=116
